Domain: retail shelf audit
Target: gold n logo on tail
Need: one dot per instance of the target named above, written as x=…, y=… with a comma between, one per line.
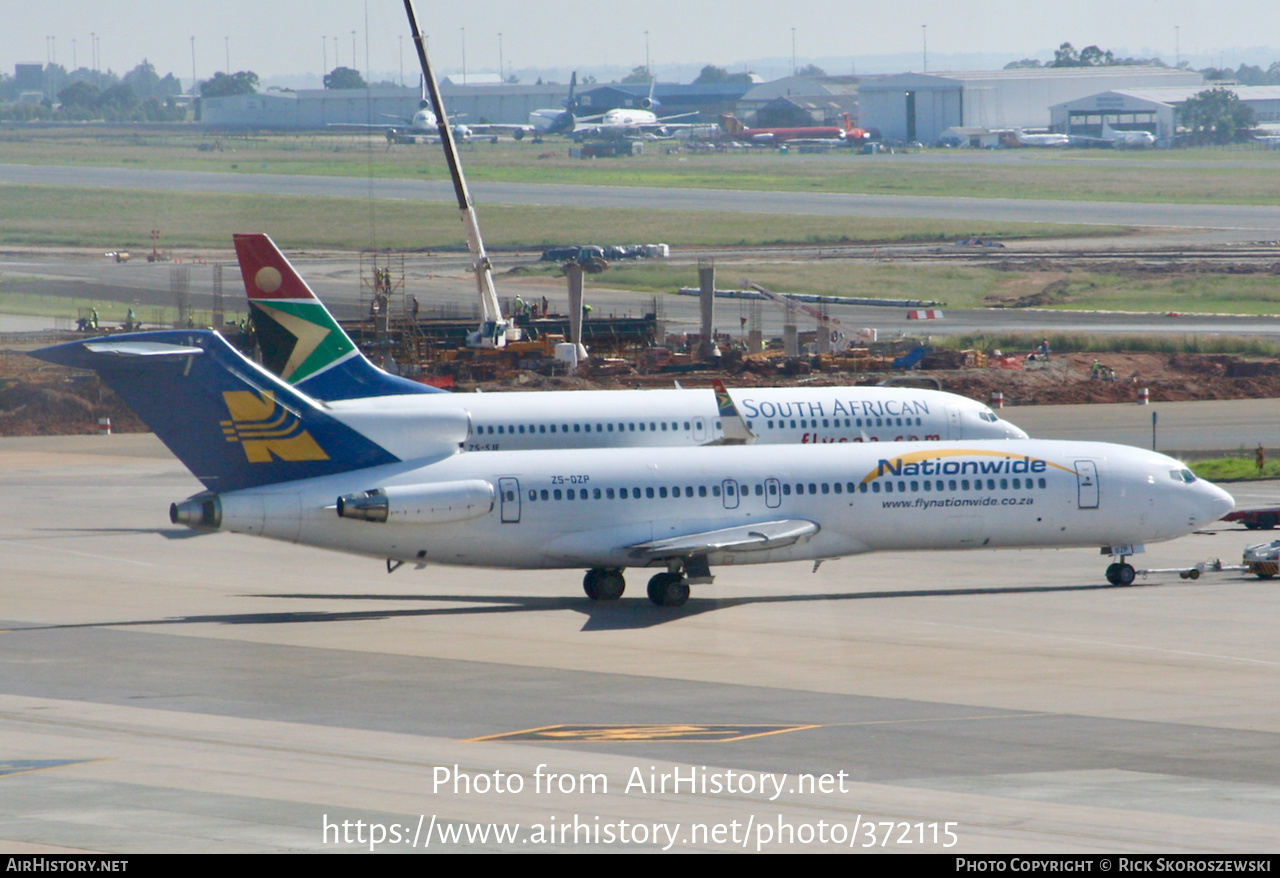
x=266, y=429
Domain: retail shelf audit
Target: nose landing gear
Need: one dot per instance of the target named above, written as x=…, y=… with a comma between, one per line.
x=1121, y=573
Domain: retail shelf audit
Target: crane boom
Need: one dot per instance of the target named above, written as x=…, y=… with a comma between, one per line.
x=493, y=329
x=825, y=321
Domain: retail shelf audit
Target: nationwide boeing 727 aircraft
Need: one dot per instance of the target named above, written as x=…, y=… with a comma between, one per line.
x=277, y=464
x=303, y=344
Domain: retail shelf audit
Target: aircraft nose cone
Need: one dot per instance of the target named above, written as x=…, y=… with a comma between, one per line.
x=1221, y=503
x=1015, y=432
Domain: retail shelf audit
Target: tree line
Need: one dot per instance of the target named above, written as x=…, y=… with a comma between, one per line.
x=141, y=95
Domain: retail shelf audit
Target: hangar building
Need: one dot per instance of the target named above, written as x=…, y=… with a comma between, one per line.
x=1152, y=109
x=920, y=106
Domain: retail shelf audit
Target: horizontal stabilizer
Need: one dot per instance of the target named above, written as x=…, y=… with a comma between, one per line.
x=746, y=538
x=142, y=349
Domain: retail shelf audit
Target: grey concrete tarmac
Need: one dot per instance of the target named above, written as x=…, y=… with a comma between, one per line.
x=162, y=691
x=1234, y=222
x=442, y=282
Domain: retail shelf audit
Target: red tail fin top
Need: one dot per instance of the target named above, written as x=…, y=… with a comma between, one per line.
x=266, y=272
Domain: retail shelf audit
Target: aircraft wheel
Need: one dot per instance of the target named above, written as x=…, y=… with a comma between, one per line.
x=610, y=586
x=1125, y=574
x=1112, y=573
x=591, y=583
x=658, y=588
x=668, y=590
x=1267, y=521
x=677, y=593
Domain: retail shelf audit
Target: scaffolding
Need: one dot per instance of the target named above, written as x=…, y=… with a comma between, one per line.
x=219, y=312
x=390, y=314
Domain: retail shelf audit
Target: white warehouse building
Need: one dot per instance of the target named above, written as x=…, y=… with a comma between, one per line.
x=920, y=106
x=1153, y=109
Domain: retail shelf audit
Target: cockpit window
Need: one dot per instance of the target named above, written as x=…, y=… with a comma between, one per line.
x=989, y=416
x=1182, y=475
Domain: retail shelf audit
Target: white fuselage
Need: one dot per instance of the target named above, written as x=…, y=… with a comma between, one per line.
x=622, y=118
x=543, y=120
x=407, y=426
x=1044, y=140
x=591, y=508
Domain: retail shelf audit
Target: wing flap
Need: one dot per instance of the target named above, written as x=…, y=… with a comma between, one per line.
x=745, y=538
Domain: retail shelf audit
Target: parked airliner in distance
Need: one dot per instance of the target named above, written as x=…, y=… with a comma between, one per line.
x=1123, y=139
x=277, y=464
x=734, y=129
x=303, y=344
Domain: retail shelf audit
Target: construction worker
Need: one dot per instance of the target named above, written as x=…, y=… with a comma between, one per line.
x=1260, y=458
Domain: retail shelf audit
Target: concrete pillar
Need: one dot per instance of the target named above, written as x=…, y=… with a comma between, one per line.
x=755, y=341
x=824, y=338
x=573, y=272
x=790, y=340
x=707, y=301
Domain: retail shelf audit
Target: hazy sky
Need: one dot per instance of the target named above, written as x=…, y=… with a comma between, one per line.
x=280, y=37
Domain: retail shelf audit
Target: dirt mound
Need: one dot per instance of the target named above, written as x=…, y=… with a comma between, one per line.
x=48, y=402
x=41, y=400
x=1068, y=379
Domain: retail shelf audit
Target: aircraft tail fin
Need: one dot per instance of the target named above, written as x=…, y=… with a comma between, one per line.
x=571, y=102
x=229, y=421
x=733, y=425
x=300, y=340
x=650, y=102
x=731, y=124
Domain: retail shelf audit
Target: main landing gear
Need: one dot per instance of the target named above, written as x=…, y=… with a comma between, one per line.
x=665, y=589
x=1121, y=573
x=668, y=589
x=604, y=584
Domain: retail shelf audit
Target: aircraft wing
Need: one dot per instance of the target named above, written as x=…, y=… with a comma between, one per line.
x=368, y=126
x=511, y=130
x=746, y=538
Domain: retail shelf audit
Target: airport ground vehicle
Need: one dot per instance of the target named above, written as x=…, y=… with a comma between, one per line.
x=1256, y=519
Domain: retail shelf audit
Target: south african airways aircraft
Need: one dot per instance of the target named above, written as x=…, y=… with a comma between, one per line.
x=279, y=464
x=302, y=343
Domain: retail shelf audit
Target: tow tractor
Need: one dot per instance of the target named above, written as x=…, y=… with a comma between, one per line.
x=1263, y=560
